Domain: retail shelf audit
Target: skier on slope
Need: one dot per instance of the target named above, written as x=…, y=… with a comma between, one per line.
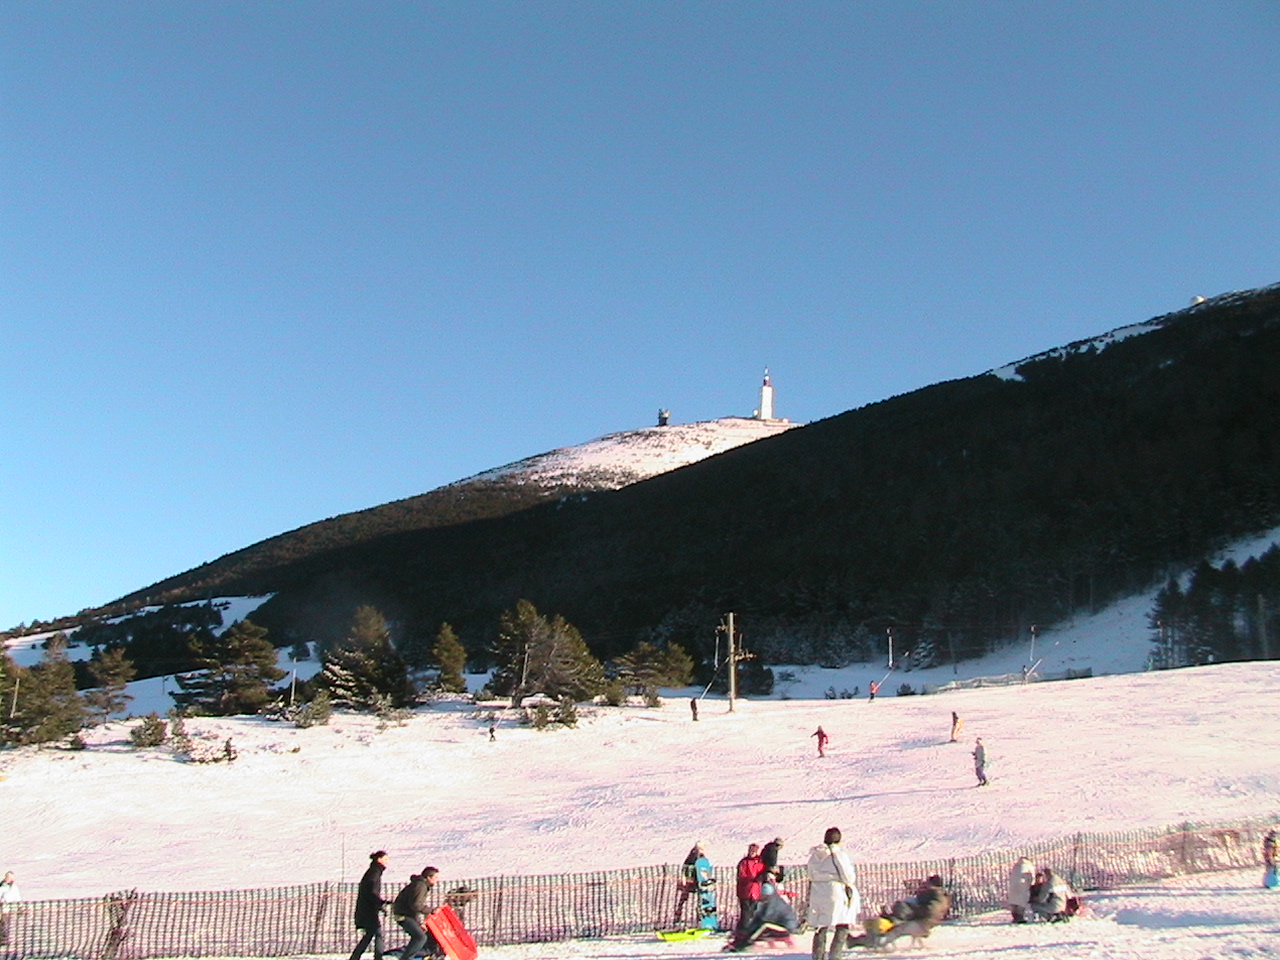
x=822, y=741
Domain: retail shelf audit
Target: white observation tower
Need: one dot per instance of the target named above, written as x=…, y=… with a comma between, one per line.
x=766, y=399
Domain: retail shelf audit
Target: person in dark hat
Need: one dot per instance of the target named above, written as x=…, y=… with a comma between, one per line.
x=772, y=850
x=410, y=908
x=369, y=904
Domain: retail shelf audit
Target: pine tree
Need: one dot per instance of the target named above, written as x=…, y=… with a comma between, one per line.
x=363, y=671
x=42, y=701
x=536, y=655
x=648, y=667
x=236, y=671
x=111, y=673
x=452, y=657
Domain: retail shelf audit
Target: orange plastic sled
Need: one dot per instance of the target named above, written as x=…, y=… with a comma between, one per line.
x=451, y=934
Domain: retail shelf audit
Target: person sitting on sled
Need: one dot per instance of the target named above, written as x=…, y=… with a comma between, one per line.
x=771, y=919
x=927, y=909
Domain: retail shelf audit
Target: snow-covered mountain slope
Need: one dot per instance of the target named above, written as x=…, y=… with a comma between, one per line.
x=1102, y=341
x=618, y=459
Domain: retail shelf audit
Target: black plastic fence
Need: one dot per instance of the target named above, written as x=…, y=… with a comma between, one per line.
x=316, y=919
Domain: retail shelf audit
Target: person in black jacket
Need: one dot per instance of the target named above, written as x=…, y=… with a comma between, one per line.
x=772, y=850
x=410, y=908
x=369, y=904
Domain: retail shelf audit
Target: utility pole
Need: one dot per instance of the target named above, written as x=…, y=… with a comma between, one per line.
x=1264, y=642
x=889, y=631
x=733, y=663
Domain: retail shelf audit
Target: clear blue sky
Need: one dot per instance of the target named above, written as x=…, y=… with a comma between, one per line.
x=263, y=263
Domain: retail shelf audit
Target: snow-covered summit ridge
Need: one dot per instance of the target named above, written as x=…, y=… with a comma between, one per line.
x=619, y=459
x=1102, y=341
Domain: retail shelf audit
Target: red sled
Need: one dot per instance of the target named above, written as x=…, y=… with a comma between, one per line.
x=451, y=934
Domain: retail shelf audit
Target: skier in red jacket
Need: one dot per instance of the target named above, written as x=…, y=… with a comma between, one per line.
x=822, y=741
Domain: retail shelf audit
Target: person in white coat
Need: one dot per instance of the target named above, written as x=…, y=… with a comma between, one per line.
x=9, y=897
x=834, y=901
x=1021, y=875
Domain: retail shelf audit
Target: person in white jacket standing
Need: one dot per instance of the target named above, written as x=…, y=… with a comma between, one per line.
x=9, y=896
x=1021, y=875
x=834, y=901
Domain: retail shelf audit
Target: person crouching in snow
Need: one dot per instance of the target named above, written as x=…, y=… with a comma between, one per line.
x=834, y=901
x=1049, y=896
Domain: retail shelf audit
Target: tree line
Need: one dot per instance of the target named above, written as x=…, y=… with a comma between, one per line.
x=234, y=671
x=1229, y=612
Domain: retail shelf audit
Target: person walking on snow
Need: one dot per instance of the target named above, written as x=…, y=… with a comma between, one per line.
x=956, y=725
x=822, y=741
x=873, y=690
x=834, y=901
x=369, y=904
x=980, y=762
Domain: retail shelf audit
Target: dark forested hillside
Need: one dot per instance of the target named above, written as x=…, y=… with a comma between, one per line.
x=956, y=515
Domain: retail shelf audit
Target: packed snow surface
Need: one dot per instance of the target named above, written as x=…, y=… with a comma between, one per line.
x=635, y=785
x=619, y=459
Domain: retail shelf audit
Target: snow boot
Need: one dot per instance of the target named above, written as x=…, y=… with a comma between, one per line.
x=838, y=940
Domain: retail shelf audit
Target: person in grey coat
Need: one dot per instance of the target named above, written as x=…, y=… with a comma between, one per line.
x=410, y=908
x=980, y=762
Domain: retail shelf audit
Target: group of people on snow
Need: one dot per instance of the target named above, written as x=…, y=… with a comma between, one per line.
x=957, y=724
x=409, y=909
x=835, y=904
x=1039, y=893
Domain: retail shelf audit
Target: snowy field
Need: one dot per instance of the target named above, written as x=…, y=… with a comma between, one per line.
x=634, y=785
